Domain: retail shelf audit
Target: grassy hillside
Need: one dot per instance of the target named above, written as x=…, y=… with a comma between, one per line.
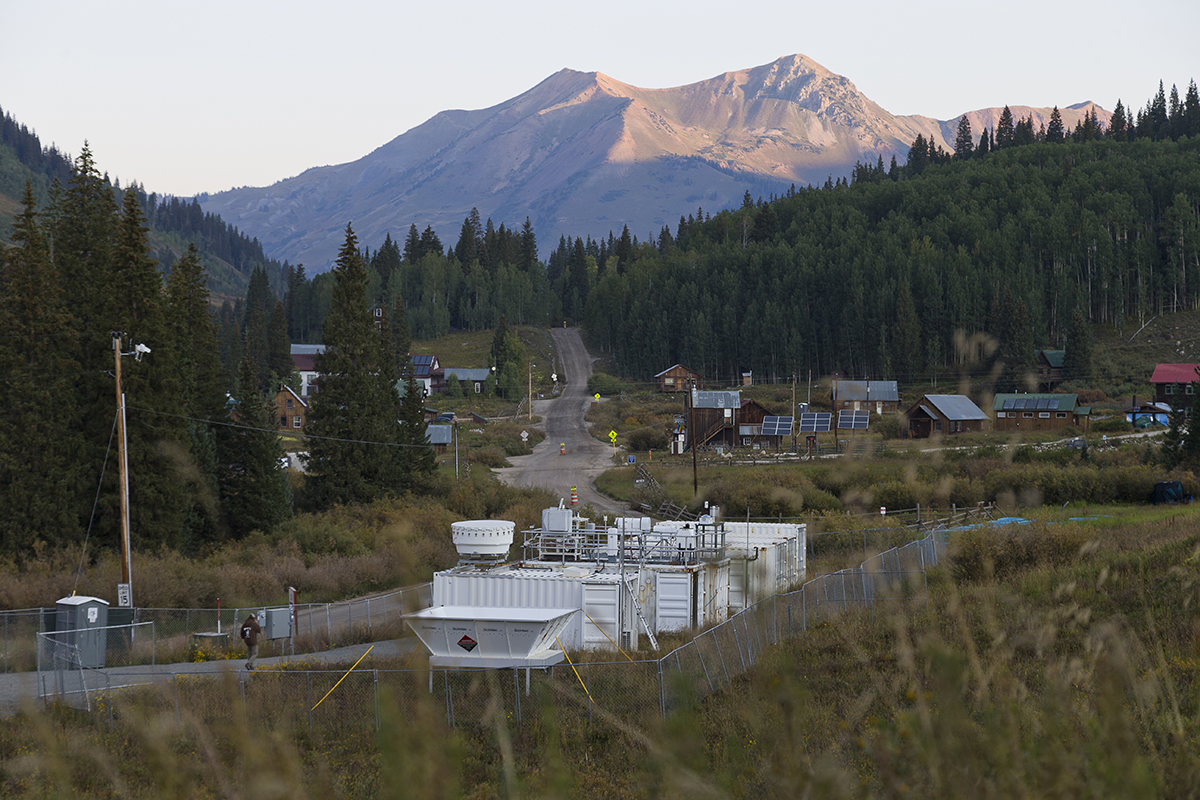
x=1052, y=660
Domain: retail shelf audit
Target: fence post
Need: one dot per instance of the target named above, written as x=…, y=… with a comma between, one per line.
x=662, y=698
x=378, y=722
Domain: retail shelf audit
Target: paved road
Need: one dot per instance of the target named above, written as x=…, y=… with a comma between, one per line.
x=562, y=420
x=20, y=688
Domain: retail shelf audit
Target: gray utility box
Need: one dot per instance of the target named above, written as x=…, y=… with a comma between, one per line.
x=81, y=622
x=278, y=624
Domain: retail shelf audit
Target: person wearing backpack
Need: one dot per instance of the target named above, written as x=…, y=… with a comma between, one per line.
x=250, y=631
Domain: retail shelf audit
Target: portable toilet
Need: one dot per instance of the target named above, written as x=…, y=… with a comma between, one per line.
x=81, y=623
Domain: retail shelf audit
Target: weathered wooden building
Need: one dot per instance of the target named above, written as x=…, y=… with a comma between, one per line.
x=881, y=397
x=678, y=379
x=945, y=414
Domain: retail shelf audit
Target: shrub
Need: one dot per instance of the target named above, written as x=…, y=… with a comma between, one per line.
x=493, y=457
x=887, y=426
x=645, y=439
x=604, y=384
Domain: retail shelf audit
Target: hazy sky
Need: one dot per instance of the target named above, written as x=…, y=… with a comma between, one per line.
x=204, y=96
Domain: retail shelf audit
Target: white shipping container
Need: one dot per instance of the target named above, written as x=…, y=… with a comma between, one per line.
x=541, y=588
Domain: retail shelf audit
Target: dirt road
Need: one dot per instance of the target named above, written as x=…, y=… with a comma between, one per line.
x=562, y=420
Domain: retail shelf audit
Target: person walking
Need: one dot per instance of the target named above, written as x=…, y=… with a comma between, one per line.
x=250, y=632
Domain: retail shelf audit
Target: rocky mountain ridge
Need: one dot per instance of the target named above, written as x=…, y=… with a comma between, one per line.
x=584, y=154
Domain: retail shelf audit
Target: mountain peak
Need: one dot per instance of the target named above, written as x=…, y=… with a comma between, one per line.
x=583, y=154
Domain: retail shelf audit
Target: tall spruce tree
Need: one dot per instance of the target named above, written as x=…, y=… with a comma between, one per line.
x=202, y=387
x=41, y=475
x=1005, y=130
x=158, y=450
x=964, y=144
x=352, y=422
x=1077, y=361
x=255, y=494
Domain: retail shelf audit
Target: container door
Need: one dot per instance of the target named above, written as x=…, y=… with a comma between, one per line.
x=600, y=615
x=674, y=606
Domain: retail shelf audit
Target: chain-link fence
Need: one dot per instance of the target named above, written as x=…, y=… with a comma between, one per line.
x=70, y=662
x=333, y=704
x=319, y=626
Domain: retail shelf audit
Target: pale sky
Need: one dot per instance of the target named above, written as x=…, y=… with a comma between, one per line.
x=205, y=96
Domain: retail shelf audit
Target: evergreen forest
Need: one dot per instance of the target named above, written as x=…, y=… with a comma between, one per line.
x=961, y=262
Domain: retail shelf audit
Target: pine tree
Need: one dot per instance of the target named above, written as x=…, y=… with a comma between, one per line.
x=1118, y=126
x=964, y=142
x=255, y=493
x=256, y=326
x=280, y=366
x=1054, y=131
x=1005, y=130
x=418, y=453
x=352, y=419
x=158, y=447
x=202, y=387
x=1077, y=361
x=42, y=483
x=412, y=246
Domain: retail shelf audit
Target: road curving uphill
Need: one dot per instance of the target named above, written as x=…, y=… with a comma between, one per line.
x=563, y=422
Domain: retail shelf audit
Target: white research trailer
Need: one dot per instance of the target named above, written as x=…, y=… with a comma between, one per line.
x=768, y=557
x=626, y=579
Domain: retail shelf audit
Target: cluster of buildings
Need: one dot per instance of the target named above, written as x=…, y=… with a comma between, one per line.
x=291, y=405
x=725, y=419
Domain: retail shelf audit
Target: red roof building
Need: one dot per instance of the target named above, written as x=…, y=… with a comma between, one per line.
x=1173, y=384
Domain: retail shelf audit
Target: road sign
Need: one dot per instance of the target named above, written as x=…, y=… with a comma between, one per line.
x=597, y=397
x=554, y=377
x=524, y=436
x=612, y=436
x=631, y=459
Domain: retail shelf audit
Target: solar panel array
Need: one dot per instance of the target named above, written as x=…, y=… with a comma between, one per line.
x=853, y=420
x=816, y=422
x=777, y=426
x=1031, y=403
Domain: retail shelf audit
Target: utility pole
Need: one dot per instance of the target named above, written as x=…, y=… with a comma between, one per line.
x=692, y=434
x=531, y=366
x=125, y=588
x=793, y=412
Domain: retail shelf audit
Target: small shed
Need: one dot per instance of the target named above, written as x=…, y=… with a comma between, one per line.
x=81, y=627
x=678, y=379
x=440, y=436
x=945, y=413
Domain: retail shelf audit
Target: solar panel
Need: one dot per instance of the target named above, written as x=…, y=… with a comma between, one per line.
x=1048, y=402
x=816, y=422
x=777, y=426
x=853, y=420
x=1010, y=403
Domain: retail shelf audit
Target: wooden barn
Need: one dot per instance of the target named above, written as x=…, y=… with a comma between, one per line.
x=290, y=409
x=945, y=414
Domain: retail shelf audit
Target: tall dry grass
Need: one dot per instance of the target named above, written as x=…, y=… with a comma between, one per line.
x=1060, y=669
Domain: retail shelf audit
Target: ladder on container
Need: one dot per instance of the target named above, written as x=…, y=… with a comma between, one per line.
x=637, y=607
